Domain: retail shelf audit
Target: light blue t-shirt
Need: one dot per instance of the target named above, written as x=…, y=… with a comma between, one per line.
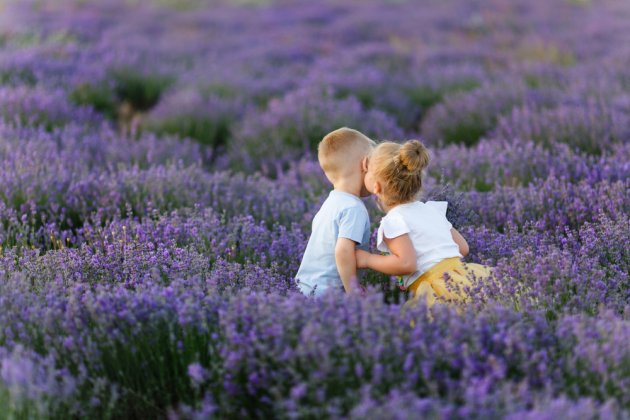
x=342, y=215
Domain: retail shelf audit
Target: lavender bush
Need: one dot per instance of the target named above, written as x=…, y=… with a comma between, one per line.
x=590, y=127
x=293, y=126
x=39, y=107
x=207, y=119
x=158, y=184
x=466, y=117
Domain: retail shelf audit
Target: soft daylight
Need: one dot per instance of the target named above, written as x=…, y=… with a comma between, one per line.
x=336, y=209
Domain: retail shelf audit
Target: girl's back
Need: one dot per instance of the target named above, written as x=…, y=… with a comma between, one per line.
x=428, y=229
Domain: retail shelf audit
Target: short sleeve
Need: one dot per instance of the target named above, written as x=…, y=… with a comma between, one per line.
x=352, y=223
x=392, y=226
x=441, y=207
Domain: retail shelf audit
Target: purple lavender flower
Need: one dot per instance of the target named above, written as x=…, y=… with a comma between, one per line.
x=148, y=241
x=292, y=126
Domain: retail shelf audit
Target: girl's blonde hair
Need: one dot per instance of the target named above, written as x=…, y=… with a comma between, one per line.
x=399, y=169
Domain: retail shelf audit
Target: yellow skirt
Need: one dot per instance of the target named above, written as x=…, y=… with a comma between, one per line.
x=431, y=285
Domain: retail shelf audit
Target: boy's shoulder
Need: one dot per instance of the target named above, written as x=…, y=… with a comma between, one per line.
x=339, y=205
x=339, y=201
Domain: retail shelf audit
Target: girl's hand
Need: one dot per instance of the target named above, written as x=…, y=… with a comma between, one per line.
x=460, y=241
x=362, y=258
x=400, y=262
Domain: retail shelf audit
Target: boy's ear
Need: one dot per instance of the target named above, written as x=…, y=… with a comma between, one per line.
x=364, y=164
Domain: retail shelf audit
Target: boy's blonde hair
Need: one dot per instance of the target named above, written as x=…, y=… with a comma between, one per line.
x=339, y=147
x=399, y=169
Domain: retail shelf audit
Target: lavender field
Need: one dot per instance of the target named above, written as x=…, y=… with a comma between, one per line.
x=158, y=180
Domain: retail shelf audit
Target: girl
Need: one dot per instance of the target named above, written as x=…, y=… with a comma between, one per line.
x=423, y=246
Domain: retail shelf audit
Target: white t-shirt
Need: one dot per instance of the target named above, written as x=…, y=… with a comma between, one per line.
x=428, y=229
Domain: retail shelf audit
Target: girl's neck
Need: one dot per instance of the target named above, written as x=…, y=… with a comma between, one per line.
x=388, y=207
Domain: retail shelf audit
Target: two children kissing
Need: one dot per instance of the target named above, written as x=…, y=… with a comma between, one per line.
x=422, y=246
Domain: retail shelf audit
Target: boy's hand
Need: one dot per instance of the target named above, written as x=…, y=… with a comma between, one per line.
x=362, y=258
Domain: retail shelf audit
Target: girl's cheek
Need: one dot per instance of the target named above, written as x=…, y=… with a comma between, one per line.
x=369, y=184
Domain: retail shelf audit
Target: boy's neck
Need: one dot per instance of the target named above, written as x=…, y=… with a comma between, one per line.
x=347, y=188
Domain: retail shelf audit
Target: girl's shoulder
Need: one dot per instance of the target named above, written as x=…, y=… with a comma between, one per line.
x=439, y=206
x=417, y=214
x=411, y=209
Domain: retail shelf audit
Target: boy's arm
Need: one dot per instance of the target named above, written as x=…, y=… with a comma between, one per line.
x=401, y=260
x=347, y=264
x=460, y=241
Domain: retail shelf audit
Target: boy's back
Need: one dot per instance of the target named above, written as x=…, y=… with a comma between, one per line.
x=343, y=215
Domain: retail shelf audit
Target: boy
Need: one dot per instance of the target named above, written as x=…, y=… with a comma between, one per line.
x=342, y=222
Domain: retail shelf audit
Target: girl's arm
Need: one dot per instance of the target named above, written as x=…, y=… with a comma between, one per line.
x=460, y=241
x=401, y=260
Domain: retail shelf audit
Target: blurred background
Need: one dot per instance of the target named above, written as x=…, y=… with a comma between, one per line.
x=258, y=83
x=158, y=182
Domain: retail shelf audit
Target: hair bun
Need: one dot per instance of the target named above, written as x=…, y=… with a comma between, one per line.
x=414, y=156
